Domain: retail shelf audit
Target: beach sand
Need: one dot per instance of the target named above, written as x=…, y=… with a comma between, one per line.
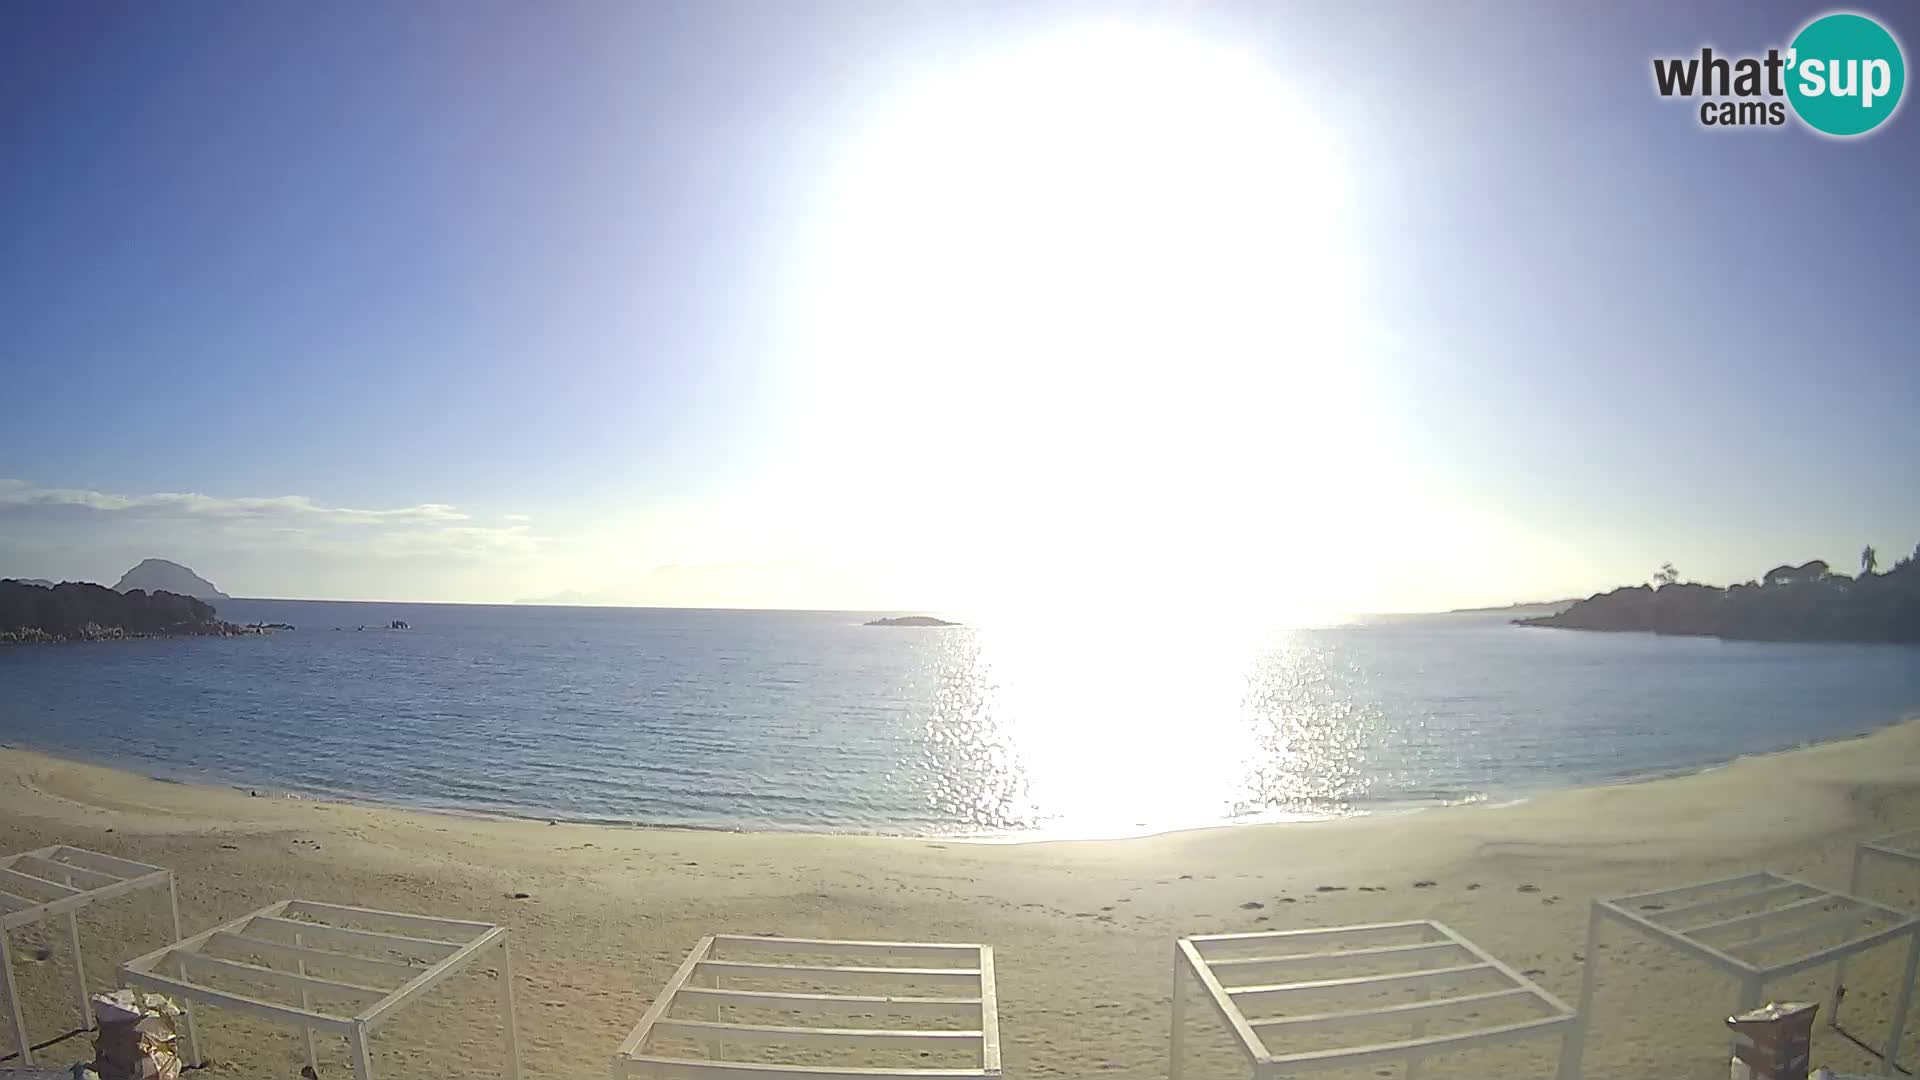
x=1083, y=931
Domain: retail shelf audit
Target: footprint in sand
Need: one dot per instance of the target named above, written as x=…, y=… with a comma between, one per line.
x=1331, y=888
x=1425, y=884
x=1252, y=905
x=1529, y=888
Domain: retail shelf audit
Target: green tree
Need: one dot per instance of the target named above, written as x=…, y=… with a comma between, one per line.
x=1869, y=559
x=1667, y=575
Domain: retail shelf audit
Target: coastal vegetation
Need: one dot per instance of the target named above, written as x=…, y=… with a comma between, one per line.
x=83, y=611
x=1808, y=602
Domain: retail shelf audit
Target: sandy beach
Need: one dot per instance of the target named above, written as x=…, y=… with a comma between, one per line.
x=1083, y=930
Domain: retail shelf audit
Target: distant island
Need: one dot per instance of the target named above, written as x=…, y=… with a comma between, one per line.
x=160, y=575
x=83, y=611
x=1808, y=602
x=911, y=620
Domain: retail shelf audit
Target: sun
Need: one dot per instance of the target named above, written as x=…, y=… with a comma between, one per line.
x=1103, y=277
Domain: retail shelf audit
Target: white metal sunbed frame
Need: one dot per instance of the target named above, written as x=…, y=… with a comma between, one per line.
x=1899, y=847
x=1438, y=955
x=298, y=934
x=968, y=968
x=1681, y=917
x=60, y=880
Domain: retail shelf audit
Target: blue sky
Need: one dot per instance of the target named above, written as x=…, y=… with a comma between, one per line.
x=477, y=302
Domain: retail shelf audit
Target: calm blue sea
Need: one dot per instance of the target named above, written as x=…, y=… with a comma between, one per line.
x=809, y=720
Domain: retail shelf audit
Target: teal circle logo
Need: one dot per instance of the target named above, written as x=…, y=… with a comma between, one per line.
x=1845, y=74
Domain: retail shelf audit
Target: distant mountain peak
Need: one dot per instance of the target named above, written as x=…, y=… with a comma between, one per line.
x=160, y=575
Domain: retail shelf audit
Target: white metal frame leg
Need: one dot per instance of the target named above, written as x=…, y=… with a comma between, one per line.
x=1840, y=966
x=506, y=1008
x=186, y=1007
x=1573, y=1032
x=306, y=1003
x=1901, y=1003
x=1179, y=1018
x=13, y=999
x=357, y=1048
x=716, y=1050
x=1573, y=1046
x=1746, y=998
x=79, y=962
x=79, y=972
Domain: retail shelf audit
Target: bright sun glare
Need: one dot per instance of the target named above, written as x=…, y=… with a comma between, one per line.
x=1097, y=288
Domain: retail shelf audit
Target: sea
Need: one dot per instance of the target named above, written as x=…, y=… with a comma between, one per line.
x=813, y=721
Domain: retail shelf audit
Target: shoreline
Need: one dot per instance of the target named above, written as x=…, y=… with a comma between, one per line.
x=15, y=756
x=1388, y=809
x=602, y=915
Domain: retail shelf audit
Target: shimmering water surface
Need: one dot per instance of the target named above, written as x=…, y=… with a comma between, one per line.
x=809, y=720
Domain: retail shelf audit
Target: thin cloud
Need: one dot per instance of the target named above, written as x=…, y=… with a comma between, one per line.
x=299, y=508
x=275, y=526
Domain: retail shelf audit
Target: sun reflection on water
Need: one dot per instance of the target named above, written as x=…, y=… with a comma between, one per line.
x=1129, y=728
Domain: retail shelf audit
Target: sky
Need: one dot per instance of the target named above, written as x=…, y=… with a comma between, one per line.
x=1305, y=308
